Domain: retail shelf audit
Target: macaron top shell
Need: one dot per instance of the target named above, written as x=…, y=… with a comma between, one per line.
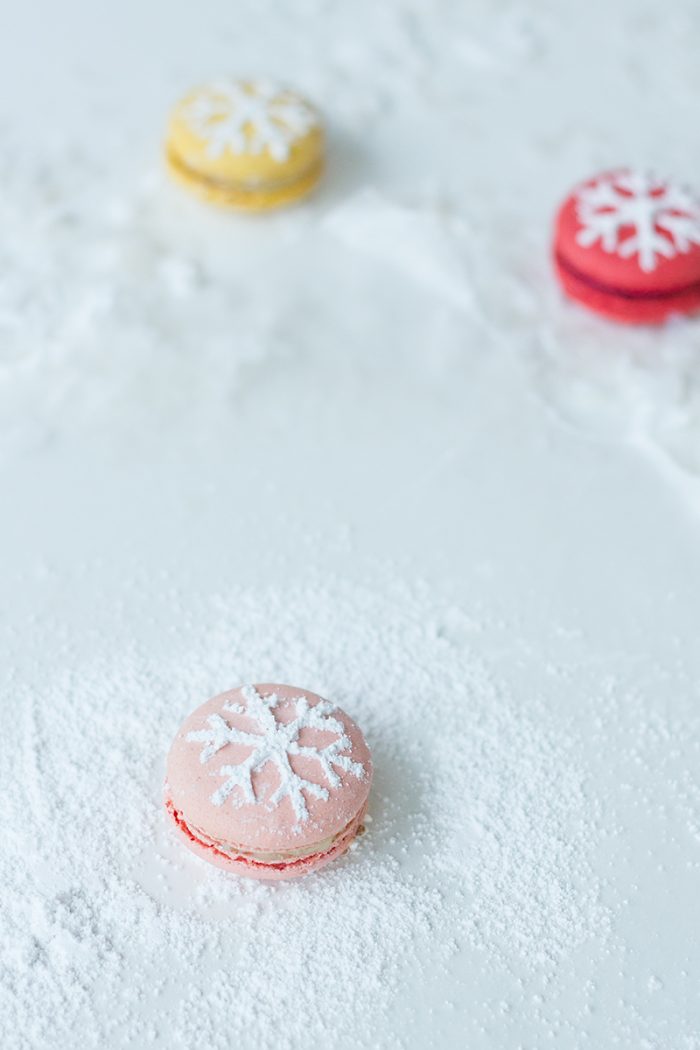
x=245, y=131
x=631, y=232
x=268, y=767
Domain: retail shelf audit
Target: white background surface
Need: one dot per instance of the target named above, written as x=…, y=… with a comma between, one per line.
x=381, y=387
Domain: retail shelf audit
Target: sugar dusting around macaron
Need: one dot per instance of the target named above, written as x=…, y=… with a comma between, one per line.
x=268, y=781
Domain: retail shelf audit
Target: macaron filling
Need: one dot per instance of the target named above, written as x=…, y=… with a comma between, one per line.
x=632, y=294
x=274, y=860
x=249, y=185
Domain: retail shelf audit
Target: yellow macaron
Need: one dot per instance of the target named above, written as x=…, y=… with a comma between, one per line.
x=245, y=144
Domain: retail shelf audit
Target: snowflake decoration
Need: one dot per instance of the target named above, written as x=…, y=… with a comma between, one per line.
x=275, y=742
x=249, y=117
x=636, y=214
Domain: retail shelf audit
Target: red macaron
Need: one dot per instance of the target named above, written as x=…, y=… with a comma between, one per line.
x=627, y=245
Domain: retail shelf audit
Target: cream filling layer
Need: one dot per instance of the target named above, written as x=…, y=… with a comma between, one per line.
x=242, y=186
x=269, y=857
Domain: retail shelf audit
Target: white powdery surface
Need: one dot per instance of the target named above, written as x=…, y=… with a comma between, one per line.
x=638, y=387
x=107, y=291
x=121, y=300
x=428, y=247
x=480, y=838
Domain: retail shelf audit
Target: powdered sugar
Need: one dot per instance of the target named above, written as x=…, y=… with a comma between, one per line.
x=275, y=742
x=185, y=394
x=479, y=829
x=249, y=117
x=633, y=214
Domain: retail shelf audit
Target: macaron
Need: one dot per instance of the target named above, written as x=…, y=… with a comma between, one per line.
x=627, y=245
x=245, y=144
x=268, y=781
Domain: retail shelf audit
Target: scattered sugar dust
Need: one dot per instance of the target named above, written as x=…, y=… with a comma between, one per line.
x=614, y=384
x=107, y=288
x=106, y=291
x=478, y=841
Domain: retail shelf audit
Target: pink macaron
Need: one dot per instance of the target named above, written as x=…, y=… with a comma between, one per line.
x=268, y=781
x=627, y=245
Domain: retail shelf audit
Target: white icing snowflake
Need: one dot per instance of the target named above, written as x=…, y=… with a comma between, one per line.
x=249, y=117
x=631, y=213
x=275, y=743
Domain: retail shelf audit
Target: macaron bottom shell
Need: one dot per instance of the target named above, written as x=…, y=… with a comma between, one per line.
x=625, y=307
x=252, y=197
x=252, y=869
